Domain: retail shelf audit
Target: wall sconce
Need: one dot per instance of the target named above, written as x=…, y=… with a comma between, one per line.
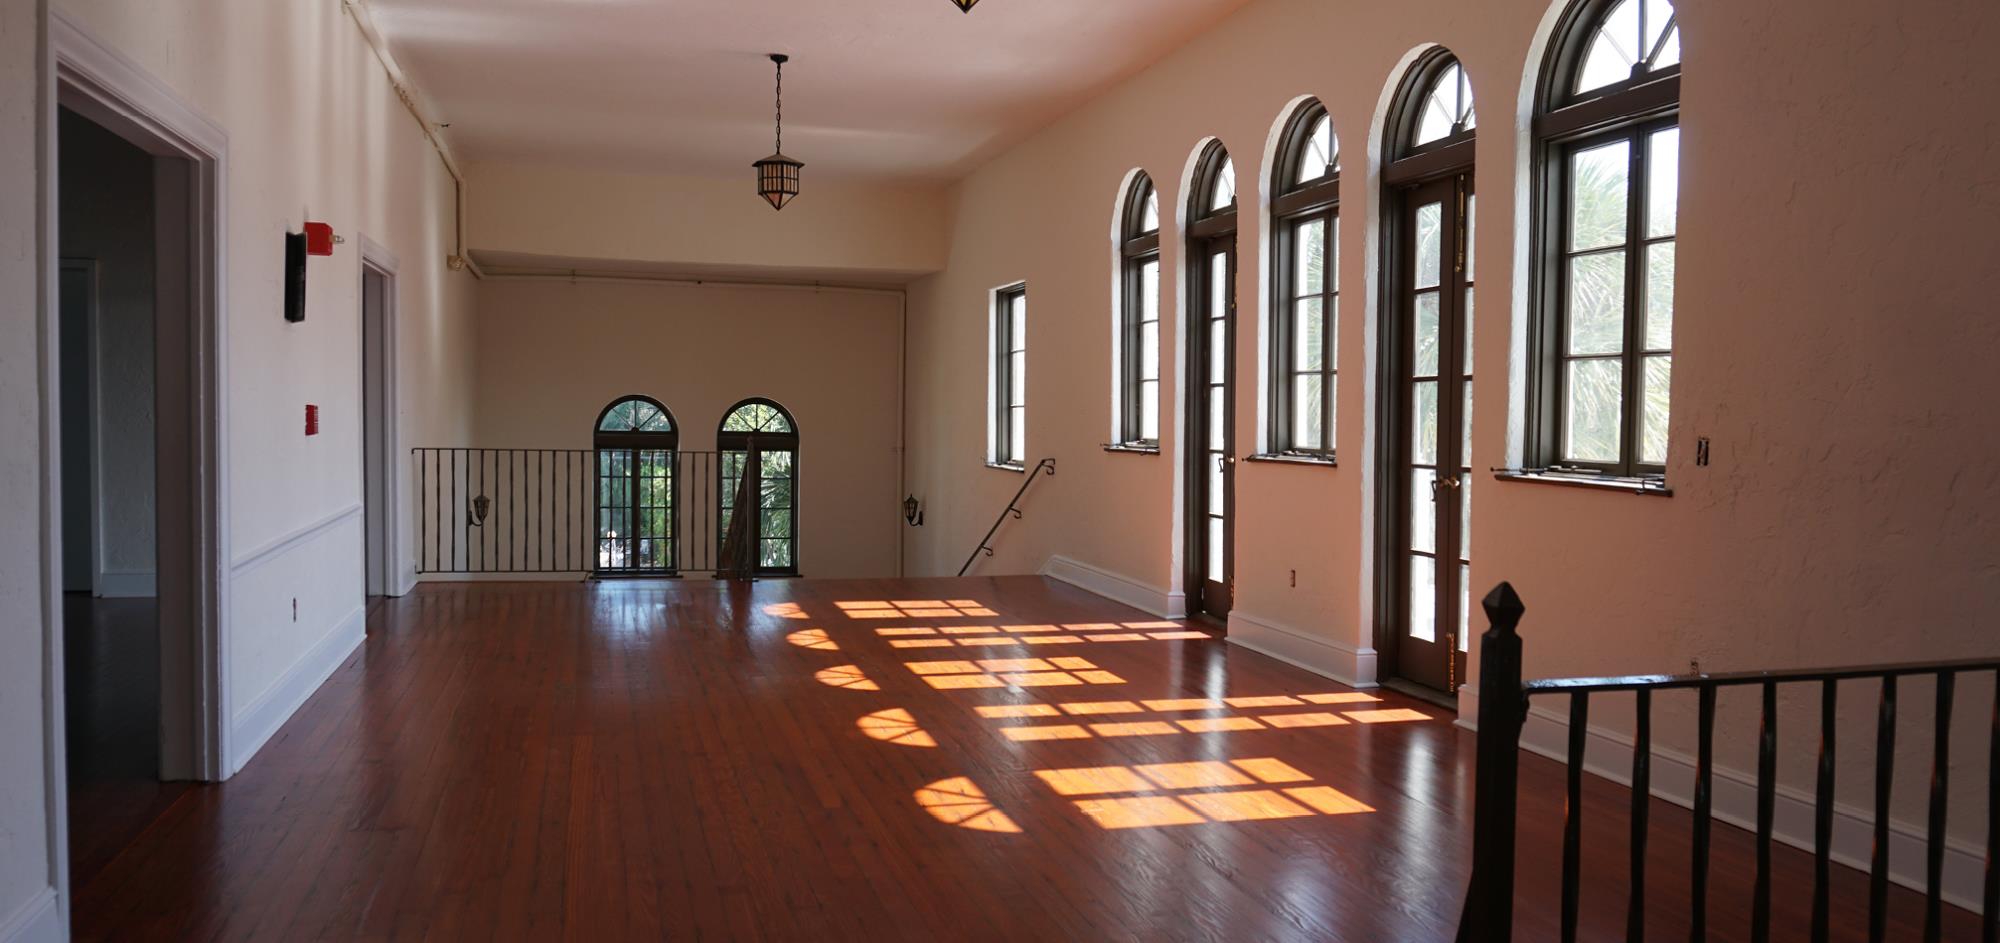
x=913, y=511
x=480, y=506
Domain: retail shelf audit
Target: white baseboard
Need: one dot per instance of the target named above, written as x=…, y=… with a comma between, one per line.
x=37, y=920
x=126, y=584
x=1347, y=664
x=1150, y=599
x=1609, y=755
x=255, y=724
x=570, y=577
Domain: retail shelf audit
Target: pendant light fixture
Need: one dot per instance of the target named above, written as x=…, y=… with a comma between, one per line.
x=778, y=175
x=965, y=6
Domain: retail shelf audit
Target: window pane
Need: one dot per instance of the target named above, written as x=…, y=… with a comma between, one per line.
x=1149, y=290
x=1430, y=244
x=1017, y=379
x=1018, y=324
x=1658, y=14
x=1425, y=337
x=1215, y=499
x=1659, y=371
x=1423, y=510
x=1225, y=186
x=777, y=523
x=1149, y=219
x=1613, y=50
x=1215, y=573
x=1600, y=184
x=1466, y=367
x=1318, y=158
x=1464, y=518
x=1215, y=436
x=1310, y=241
x=1306, y=423
x=1018, y=433
x=1218, y=350
x=1663, y=182
x=1465, y=427
x=1464, y=607
x=1660, y=296
x=1308, y=335
x=1448, y=102
x=1149, y=350
x=1471, y=233
x=1149, y=410
x=1591, y=430
x=1597, y=303
x=1424, y=422
x=1670, y=52
x=1331, y=264
x=776, y=465
x=1423, y=598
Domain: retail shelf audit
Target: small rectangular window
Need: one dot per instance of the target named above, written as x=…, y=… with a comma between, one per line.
x=1010, y=376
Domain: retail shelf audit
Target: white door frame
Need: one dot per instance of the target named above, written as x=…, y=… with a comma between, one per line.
x=86, y=76
x=376, y=256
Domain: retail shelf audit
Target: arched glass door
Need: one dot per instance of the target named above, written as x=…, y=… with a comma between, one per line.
x=636, y=440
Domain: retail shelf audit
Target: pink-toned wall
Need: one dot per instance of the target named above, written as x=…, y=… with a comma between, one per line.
x=553, y=354
x=1835, y=341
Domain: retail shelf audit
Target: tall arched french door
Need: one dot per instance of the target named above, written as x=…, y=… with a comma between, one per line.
x=636, y=440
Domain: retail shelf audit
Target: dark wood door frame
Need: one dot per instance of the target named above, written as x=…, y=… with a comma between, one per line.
x=1205, y=597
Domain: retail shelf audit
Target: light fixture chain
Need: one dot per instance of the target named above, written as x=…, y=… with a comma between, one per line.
x=781, y=107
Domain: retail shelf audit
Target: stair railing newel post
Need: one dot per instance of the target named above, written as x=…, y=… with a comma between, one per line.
x=1503, y=708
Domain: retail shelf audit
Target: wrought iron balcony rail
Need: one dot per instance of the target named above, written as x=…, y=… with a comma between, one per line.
x=1503, y=710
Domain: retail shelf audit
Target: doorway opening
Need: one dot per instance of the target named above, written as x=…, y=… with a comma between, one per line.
x=136, y=562
x=1211, y=390
x=378, y=294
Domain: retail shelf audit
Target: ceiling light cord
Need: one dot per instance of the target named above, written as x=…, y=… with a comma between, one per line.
x=780, y=60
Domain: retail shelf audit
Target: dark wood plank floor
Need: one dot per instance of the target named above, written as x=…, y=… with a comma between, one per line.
x=111, y=713
x=816, y=760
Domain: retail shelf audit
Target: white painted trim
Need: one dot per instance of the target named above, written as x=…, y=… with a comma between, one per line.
x=1350, y=665
x=37, y=920
x=1164, y=603
x=279, y=546
x=261, y=719
x=402, y=574
x=1608, y=754
x=126, y=584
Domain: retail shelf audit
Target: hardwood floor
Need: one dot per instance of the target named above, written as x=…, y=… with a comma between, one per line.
x=818, y=760
x=111, y=711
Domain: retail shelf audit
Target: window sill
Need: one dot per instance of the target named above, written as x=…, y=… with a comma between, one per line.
x=1132, y=448
x=1643, y=486
x=1294, y=458
x=1014, y=467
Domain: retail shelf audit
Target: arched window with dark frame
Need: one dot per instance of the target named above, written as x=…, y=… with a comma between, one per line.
x=774, y=480
x=1426, y=410
x=1607, y=186
x=1305, y=256
x=636, y=441
x=1139, y=315
x=1211, y=382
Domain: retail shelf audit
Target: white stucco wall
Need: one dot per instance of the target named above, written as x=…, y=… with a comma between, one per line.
x=1834, y=341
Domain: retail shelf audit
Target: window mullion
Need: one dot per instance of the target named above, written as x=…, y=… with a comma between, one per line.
x=1635, y=202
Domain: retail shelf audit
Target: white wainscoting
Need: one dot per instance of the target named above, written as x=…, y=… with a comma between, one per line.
x=297, y=612
x=37, y=920
x=1155, y=600
x=1348, y=664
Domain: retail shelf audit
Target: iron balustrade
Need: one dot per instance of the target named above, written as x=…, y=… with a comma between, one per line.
x=1503, y=710
x=588, y=512
x=1046, y=466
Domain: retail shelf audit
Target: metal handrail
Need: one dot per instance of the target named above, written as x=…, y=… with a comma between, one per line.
x=1046, y=466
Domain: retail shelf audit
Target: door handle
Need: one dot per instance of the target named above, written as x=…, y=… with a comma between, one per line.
x=1222, y=462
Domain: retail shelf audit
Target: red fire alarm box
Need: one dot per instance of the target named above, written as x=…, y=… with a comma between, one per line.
x=312, y=419
x=319, y=239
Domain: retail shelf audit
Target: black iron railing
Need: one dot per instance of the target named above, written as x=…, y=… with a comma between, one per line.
x=560, y=511
x=1503, y=710
x=1046, y=466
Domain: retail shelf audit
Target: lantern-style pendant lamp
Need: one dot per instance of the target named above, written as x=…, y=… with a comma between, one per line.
x=778, y=175
x=965, y=6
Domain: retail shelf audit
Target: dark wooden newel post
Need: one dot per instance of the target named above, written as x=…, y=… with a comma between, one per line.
x=1503, y=706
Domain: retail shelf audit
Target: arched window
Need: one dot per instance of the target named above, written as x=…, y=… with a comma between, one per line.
x=636, y=442
x=1139, y=315
x=1305, y=231
x=1211, y=373
x=1426, y=328
x=774, y=480
x=1607, y=137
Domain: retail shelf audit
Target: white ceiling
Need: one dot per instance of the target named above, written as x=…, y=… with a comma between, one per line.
x=876, y=88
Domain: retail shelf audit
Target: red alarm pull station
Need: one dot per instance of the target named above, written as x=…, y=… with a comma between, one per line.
x=320, y=239
x=312, y=419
